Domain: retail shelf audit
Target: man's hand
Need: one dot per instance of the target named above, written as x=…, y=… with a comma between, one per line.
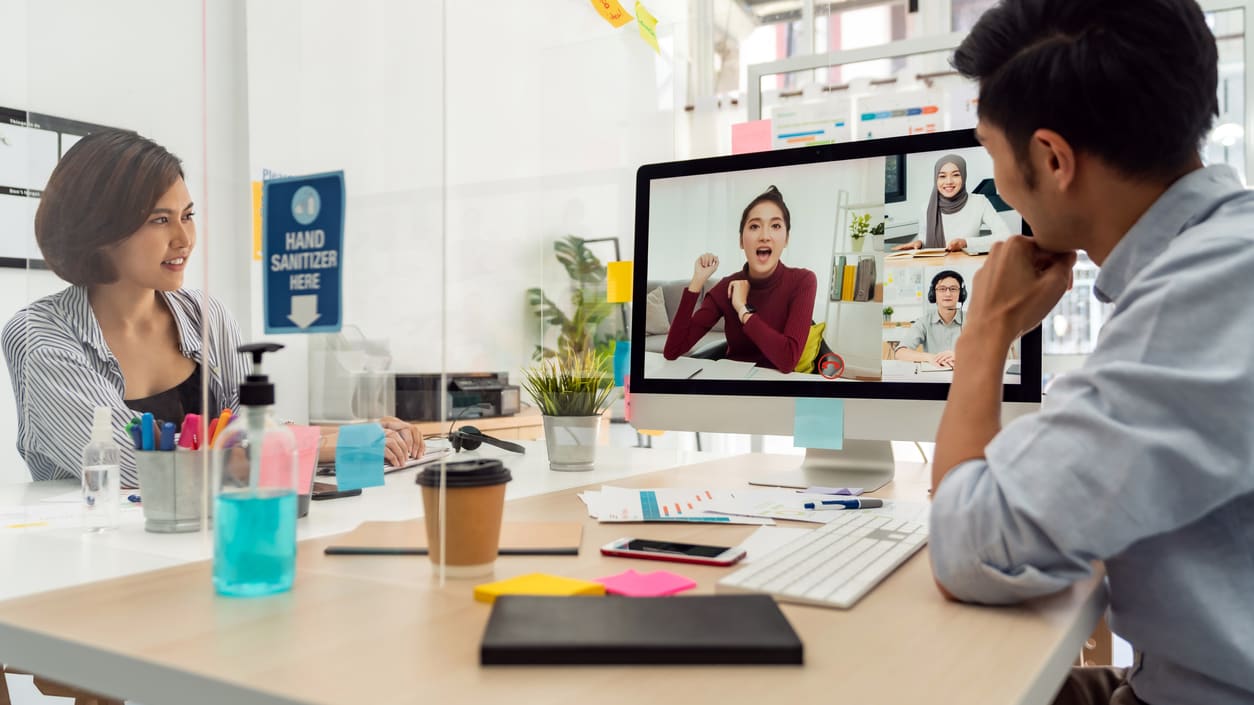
x=403, y=441
x=702, y=270
x=908, y=246
x=944, y=359
x=956, y=244
x=738, y=292
x=1018, y=286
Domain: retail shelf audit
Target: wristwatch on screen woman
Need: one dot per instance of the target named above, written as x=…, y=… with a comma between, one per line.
x=747, y=310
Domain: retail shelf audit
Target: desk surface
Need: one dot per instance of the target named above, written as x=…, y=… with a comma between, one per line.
x=382, y=630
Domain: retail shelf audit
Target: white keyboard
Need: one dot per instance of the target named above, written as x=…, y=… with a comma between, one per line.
x=834, y=565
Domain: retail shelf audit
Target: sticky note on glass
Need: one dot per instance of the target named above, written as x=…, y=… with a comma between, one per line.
x=622, y=361
x=257, y=221
x=659, y=583
x=613, y=12
x=359, y=456
x=618, y=282
x=648, y=27
x=752, y=136
x=819, y=423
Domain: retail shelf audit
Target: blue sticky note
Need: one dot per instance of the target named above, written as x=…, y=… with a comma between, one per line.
x=622, y=361
x=819, y=423
x=359, y=456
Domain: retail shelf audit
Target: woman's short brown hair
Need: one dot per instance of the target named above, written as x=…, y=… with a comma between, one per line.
x=100, y=193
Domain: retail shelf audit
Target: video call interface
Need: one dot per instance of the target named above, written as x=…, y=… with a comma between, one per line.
x=856, y=270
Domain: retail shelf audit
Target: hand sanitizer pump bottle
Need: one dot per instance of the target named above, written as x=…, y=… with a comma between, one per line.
x=101, y=475
x=254, y=457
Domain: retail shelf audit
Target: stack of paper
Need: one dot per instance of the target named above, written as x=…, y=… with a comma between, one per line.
x=621, y=504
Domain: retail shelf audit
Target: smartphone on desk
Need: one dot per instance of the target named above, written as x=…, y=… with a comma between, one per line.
x=673, y=551
x=326, y=490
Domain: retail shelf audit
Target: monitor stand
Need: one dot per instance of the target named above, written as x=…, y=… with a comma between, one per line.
x=865, y=464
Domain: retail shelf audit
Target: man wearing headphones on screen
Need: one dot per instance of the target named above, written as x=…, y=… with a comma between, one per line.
x=937, y=331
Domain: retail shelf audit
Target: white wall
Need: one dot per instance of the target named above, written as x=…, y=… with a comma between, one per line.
x=135, y=65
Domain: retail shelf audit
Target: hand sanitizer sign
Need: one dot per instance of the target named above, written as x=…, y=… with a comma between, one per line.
x=302, y=252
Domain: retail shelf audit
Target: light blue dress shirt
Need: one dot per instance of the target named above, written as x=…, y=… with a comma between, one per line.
x=1143, y=459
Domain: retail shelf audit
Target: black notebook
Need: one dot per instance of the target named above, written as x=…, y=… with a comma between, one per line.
x=701, y=629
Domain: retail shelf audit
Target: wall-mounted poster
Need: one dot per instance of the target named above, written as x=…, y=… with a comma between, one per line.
x=30, y=146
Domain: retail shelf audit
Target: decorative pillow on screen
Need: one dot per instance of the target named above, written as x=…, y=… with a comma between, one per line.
x=655, y=320
x=811, y=350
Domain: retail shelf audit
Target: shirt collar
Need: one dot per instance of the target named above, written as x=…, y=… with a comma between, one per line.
x=83, y=319
x=1189, y=201
x=936, y=317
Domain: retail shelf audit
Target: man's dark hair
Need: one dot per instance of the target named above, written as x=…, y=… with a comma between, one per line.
x=772, y=195
x=99, y=194
x=1132, y=82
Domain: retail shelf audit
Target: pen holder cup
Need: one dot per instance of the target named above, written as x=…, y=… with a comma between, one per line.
x=172, y=487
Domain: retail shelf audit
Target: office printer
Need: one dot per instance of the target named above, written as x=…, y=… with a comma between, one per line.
x=468, y=395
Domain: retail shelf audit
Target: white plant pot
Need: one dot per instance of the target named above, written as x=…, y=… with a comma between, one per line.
x=571, y=441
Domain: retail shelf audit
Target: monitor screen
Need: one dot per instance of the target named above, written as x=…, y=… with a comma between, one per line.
x=765, y=281
x=857, y=260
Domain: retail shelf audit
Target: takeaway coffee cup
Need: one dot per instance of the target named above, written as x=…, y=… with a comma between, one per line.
x=474, y=503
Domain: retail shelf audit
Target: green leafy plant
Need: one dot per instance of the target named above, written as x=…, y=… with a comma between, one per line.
x=888, y=311
x=859, y=226
x=578, y=331
x=878, y=229
x=574, y=384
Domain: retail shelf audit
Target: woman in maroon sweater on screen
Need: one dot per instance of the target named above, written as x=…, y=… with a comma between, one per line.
x=767, y=305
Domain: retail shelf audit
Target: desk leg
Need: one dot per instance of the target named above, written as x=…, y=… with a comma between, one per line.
x=81, y=697
x=1097, y=650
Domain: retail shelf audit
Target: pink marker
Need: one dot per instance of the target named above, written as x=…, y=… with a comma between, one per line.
x=189, y=437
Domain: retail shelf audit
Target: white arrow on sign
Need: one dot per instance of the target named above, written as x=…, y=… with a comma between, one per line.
x=304, y=310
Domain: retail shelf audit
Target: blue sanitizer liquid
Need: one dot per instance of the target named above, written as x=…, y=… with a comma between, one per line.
x=254, y=543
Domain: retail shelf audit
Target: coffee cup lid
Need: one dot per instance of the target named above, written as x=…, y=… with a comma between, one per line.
x=465, y=473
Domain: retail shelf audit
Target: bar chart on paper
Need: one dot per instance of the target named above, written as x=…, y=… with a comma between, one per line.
x=620, y=504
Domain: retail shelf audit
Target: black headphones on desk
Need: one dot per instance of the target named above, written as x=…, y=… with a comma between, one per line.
x=470, y=438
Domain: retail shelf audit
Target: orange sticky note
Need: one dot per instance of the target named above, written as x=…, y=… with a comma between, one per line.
x=618, y=282
x=646, y=432
x=648, y=26
x=257, y=221
x=613, y=12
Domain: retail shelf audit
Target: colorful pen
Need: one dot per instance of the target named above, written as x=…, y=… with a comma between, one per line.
x=211, y=433
x=223, y=420
x=189, y=436
x=133, y=498
x=845, y=504
x=147, y=430
x=167, y=435
x=136, y=438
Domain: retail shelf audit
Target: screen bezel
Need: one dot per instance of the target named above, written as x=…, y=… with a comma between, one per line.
x=1028, y=390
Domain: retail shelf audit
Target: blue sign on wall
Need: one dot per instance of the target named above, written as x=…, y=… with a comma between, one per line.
x=303, y=253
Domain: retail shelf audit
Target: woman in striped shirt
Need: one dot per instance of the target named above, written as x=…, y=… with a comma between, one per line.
x=116, y=222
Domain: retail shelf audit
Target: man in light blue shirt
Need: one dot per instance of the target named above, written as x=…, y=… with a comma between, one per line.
x=1143, y=459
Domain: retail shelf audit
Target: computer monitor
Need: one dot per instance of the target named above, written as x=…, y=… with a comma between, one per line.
x=708, y=372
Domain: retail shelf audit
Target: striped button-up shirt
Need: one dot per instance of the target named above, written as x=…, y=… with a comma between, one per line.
x=62, y=369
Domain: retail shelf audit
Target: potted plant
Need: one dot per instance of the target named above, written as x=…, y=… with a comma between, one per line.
x=888, y=314
x=571, y=390
x=581, y=329
x=859, y=227
x=877, y=237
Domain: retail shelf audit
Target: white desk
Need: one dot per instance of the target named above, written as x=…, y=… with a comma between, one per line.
x=381, y=630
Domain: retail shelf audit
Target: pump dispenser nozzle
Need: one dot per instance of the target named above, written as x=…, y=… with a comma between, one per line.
x=257, y=389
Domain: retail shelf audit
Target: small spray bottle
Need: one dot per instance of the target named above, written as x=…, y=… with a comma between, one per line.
x=100, y=474
x=255, y=509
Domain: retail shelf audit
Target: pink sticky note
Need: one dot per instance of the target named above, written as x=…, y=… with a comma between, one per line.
x=752, y=136
x=659, y=583
x=308, y=440
x=275, y=457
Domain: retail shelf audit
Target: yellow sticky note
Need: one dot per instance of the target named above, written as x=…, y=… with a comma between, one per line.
x=613, y=12
x=537, y=584
x=618, y=282
x=649, y=433
x=257, y=221
x=648, y=26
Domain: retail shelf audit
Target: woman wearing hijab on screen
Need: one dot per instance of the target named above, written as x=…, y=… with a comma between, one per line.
x=954, y=216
